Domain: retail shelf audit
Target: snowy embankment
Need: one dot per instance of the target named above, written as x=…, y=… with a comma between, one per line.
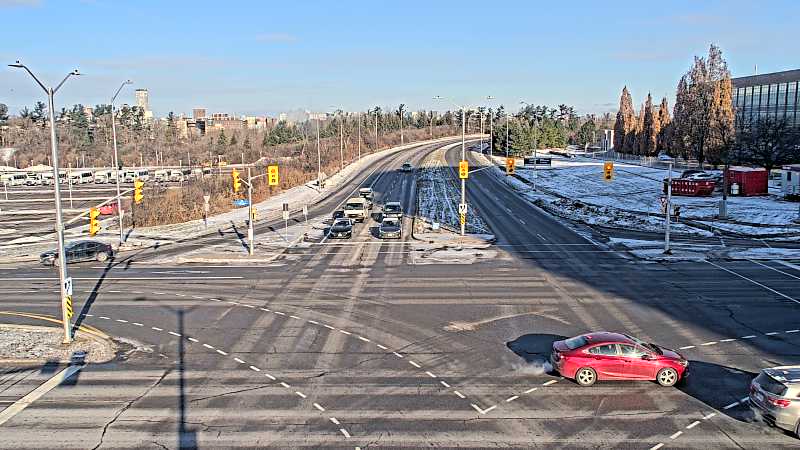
x=575, y=188
x=438, y=197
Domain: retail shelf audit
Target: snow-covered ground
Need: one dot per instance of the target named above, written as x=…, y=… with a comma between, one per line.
x=576, y=189
x=439, y=197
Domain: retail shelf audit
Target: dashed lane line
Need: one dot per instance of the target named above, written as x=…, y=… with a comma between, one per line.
x=695, y=423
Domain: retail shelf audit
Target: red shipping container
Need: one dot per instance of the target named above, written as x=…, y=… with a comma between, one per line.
x=751, y=180
x=691, y=188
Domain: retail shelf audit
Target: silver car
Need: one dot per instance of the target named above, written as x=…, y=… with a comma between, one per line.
x=775, y=397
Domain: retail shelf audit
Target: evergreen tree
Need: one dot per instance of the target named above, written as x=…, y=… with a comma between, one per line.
x=637, y=136
x=649, y=130
x=3, y=114
x=625, y=122
x=246, y=144
x=38, y=115
x=172, y=129
x=679, y=136
x=233, y=140
x=222, y=140
x=665, y=126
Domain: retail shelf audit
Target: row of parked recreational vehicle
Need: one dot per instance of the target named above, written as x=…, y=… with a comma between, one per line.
x=20, y=178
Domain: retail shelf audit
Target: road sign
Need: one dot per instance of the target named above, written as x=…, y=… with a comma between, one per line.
x=68, y=306
x=463, y=170
x=608, y=170
x=305, y=210
x=286, y=207
x=462, y=208
x=206, y=198
x=462, y=218
x=272, y=175
x=241, y=202
x=285, y=215
x=68, y=286
x=530, y=161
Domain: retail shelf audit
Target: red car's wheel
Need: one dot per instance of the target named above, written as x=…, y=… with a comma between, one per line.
x=585, y=376
x=667, y=377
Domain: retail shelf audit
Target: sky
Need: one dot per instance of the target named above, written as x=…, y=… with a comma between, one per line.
x=263, y=58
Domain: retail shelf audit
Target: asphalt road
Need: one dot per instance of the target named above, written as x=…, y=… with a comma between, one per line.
x=346, y=344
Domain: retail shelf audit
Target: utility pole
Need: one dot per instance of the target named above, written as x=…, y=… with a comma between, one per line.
x=359, y=136
x=250, y=212
x=377, y=144
x=480, y=117
x=341, y=144
x=66, y=300
x=506, y=134
x=117, y=167
x=319, y=158
x=401, y=126
x=667, y=250
x=463, y=158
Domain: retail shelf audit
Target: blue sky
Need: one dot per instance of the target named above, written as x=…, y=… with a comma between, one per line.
x=265, y=57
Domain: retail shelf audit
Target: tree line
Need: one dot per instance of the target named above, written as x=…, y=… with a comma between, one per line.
x=704, y=125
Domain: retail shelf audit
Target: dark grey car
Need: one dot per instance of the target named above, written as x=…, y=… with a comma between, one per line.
x=78, y=251
x=342, y=229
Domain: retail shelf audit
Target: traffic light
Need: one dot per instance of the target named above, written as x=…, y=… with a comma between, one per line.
x=608, y=170
x=237, y=183
x=94, y=224
x=138, y=186
x=253, y=214
x=272, y=175
x=510, y=163
x=463, y=169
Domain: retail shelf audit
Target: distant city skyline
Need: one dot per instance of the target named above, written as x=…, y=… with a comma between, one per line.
x=237, y=62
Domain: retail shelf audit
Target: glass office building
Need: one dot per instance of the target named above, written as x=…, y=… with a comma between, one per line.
x=772, y=95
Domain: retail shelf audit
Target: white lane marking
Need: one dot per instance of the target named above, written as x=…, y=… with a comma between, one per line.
x=180, y=295
x=444, y=383
x=776, y=270
x=788, y=264
x=686, y=347
x=17, y=407
x=792, y=331
x=317, y=405
x=197, y=297
x=105, y=318
x=248, y=306
x=174, y=333
x=270, y=377
x=122, y=321
x=89, y=315
x=430, y=374
x=221, y=352
x=232, y=303
x=264, y=309
x=383, y=347
x=210, y=347
x=215, y=299
x=531, y=390
x=284, y=384
x=363, y=338
x=709, y=416
x=255, y=369
x=238, y=360
x=414, y=364
x=459, y=394
x=512, y=398
x=328, y=326
x=550, y=382
x=730, y=406
x=345, y=433
x=279, y=313
x=749, y=336
x=137, y=324
x=398, y=355
x=114, y=292
x=754, y=282
x=728, y=340
x=676, y=434
x=192, y=339
x=313, y=321
x=345, y=332
x=693, y=424
x=709, y=343
x=657, y=446
x=300, y=394
x=772, y=333
x=157, y=329
x=335, y=421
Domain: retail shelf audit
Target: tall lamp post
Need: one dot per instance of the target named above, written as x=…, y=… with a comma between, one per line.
x=117, y=167
x=62, y=262
x=489, y=98
x=319, y=157
x=463, y=152
x=535, y=151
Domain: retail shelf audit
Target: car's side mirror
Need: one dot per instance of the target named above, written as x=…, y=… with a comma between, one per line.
x=646, y=357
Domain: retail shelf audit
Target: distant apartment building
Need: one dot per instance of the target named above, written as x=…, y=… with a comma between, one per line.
x=89, y=112
x=143, y=103
x=774, y=95
x=199, y=113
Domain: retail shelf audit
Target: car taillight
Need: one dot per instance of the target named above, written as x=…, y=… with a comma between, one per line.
x=779, y=402
x=557, y=355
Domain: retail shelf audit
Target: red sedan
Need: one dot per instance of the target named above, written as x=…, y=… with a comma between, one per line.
x=614, y=356
x=108, y=209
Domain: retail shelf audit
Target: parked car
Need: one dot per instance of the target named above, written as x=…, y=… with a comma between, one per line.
x=702, y=176
x=775, y=397
x=689, y=172
x=108, y=209
x=614, y=356
x=664, y=157
x=390, y=228
x=77, y=251
x=342, y=229
x=392, y=209
x=406, y=167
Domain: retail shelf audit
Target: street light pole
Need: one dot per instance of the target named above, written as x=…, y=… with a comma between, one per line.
x=62, y=260
x=116, y=162
x=359, y=136
x=491, y=128
x=506, y=134
x=250, y=231
x=667, y=250
x=535, y=151
x=463, y=155
x=319, y=158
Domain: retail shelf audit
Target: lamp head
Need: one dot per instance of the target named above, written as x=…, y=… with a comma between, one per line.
x=17, y=65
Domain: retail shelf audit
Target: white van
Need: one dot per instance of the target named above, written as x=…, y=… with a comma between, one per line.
x=81, y=177
x=103, y=177
x=47, y=178
x=179, y=174
x=13, y=179
x=161, y=176
x=133, y=174
x=33, y=179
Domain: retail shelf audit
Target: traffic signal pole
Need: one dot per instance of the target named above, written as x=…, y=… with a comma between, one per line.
x=250, y=230
x=463, y=158
x=667, y=250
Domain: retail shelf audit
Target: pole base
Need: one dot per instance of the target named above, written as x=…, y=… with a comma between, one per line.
x=668, y=251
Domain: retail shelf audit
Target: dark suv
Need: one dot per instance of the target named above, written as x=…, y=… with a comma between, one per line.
x=78, y=251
